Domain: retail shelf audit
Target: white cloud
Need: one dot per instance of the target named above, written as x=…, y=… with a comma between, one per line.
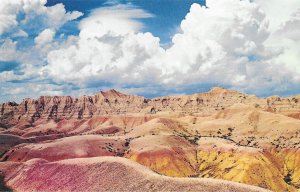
x=8, y=50
x=287, y=39
x=223, y=43
x=115, y=20
x=8, y=10
x=54, y=16
x=19, y=20
x=44, y=37
x=108, y=45
x=20, y=33
x=278, y=12
x=236, y=43
x=228, y=42
x=57, y=15
x=284, y=19
x=11, y=92
x=215, y=43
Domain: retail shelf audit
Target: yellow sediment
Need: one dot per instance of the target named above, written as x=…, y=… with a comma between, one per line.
x=267, y=170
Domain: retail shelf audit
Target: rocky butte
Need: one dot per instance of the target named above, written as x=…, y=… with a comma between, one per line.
x=220, y=140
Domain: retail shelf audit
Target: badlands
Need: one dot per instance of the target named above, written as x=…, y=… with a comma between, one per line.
x=220, y=140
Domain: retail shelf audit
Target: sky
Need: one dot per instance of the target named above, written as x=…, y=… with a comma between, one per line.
x=149, y=48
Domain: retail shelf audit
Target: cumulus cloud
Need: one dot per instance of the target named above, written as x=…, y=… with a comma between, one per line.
x=53, y=17
x=278, y=12
x=109, y=48
x=287, y=38
x=27, y=30
x=20, y=19
x=44, y=37
x=8, y=50
x=223, y=43
x=251, y=46
x=216, y=41
x=284, y=21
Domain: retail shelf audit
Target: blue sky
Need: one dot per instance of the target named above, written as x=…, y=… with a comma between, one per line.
x=148, y=47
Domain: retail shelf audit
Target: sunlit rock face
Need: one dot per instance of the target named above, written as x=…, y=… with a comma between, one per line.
x=113, y=102
x=220, y=134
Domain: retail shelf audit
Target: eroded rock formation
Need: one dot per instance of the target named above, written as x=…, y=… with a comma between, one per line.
x=113, y=102
x=221, y=134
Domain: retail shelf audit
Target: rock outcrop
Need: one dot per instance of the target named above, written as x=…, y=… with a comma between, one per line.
x=113, y=102
x=66, y=107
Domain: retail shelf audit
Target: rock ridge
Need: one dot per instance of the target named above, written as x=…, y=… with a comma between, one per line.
x=112, y=102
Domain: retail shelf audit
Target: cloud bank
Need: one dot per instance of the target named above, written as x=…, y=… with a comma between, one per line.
x=237, y=44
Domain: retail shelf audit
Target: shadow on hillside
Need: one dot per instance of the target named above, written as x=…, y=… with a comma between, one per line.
x=3, y=187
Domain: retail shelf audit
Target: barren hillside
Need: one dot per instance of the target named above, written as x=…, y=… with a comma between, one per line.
x=220, y=134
